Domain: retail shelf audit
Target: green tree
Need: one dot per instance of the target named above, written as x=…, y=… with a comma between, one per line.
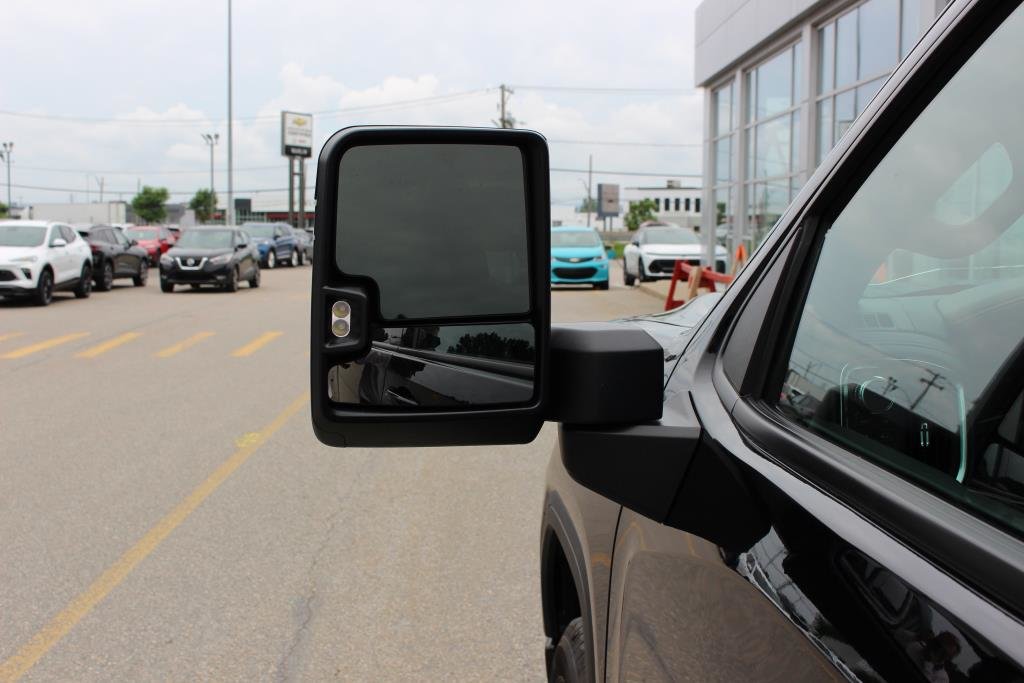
x=3, y=210
x=639, y=212
x=204, y=203
x=148, y=204
x=589, y=205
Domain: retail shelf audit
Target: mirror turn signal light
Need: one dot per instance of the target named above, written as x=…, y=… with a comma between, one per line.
x=341, y=318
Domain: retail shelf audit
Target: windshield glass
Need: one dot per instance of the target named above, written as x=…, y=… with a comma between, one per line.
x=669, y=236
x=205, y=239
x=575, y=238
x=140, y=233
x=21, y=235
x=260, y=230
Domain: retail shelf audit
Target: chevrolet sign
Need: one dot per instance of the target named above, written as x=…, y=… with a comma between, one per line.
x=296, y=134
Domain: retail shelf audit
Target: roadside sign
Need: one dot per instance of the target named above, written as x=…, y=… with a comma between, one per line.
x=296, y=134
x=607, y=200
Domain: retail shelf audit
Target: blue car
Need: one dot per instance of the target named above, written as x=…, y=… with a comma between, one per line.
x=578, y=257
x=276, y=242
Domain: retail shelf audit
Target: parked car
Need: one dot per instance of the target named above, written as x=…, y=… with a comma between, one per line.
x=114, y=256
x=304, y=238
x=211, y=256
x=276, y=243
x=815, y=475
x=40, y=257
x=578, y=257
x=655, y=248
x=155, y=239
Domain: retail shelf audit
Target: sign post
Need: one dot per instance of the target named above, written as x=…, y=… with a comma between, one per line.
x=297, y=145
x=607, y=202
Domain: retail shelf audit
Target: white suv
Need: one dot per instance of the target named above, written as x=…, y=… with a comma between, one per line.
x=39, y=257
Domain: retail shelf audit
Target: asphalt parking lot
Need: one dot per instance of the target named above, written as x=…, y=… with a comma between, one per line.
x=167, y=514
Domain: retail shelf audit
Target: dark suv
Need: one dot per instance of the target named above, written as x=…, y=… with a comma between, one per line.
x=114, y=256
x=816, y=475
x=222, y=257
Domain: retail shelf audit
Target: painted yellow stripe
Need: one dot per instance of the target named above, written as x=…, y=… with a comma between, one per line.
x=43, y=345
x=42, y=642
x=182, y=345
x=256, y=344
x=108, y=345
x=10, y=335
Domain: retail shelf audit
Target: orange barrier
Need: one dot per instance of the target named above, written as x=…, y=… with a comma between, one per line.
x=696, y=277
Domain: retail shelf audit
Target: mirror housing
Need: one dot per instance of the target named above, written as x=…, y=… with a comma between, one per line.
x=133, y=243
x=370, y=319
x=59, y=242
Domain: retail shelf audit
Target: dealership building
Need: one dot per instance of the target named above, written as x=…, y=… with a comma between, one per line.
x=783, y=80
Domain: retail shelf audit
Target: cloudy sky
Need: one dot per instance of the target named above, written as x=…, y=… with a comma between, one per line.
x=123, y=90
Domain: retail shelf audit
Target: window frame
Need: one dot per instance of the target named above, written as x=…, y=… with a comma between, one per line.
x=958, y=540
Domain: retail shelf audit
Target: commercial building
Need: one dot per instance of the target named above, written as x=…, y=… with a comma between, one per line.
x=673, y=203
x=85, y=212
x=783, y=81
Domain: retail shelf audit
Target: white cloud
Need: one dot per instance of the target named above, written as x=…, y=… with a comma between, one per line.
x=139, y=61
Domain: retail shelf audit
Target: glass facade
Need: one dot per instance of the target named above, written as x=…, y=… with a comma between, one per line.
x=724, y=122
x=774, y=91
x=856, y=53
x=773, y=122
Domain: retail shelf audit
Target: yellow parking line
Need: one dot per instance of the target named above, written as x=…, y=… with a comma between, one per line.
x=256, y=344
x=108, y=345
x=42, y=642
x=10, y=335
x=43, y=345
x=182, y=345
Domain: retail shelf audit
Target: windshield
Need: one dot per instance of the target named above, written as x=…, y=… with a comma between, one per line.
x=575, y=238
x=206, y=239
x=21, y=235
x=140, y=234
x=260, y=230
x=668, y=236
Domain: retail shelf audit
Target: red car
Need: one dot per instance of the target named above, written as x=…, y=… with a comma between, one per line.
x=155, y=239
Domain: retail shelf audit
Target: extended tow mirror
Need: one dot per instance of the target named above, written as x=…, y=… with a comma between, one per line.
x=431, y=302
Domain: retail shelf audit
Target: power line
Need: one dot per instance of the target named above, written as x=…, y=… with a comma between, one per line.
x=269, y=118
x=620, y=143
x=277, y=167
x=603, y=90
x=134, y=191
x=636, y=173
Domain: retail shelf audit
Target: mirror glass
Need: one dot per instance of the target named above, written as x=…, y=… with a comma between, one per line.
x=431, y=366
x=441, y=228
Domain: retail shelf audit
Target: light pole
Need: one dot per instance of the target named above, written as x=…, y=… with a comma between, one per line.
x=7, y=147
x=231, y=159
x=211, y=140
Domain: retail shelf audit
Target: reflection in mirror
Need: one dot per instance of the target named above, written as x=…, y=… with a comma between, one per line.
x=453, y=217
x=431, y=366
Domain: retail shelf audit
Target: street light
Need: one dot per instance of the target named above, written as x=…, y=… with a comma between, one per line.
x=211, y=140
x=230, y=219
x=7, y=148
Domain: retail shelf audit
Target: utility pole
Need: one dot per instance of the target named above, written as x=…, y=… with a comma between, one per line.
x=230, y=219
x=7, y=148
x=211, y=140
x=101, y=182
x=506, y=120
x=587, y=186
